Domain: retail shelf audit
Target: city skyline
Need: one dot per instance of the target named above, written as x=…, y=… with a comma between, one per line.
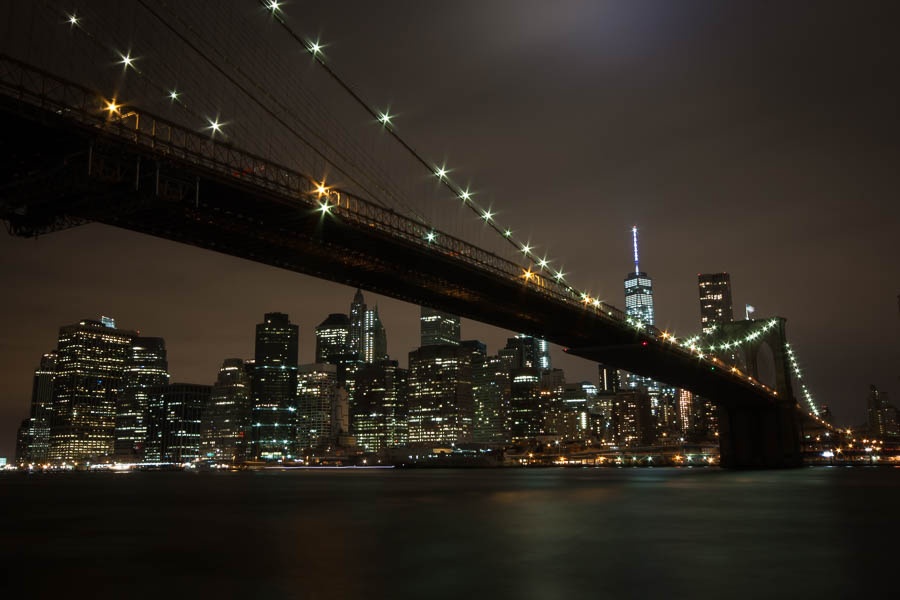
x=693, y=179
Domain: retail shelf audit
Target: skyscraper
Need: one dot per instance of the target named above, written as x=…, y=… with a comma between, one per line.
x=438, y=328
x=715, y=300
x=380, y=411
x=90, y=365
x=274, y=388
x=145, y=367
x=174, y=421
x=38, y=430
x=440, y=394
x=333, y=339
x=525, y=351
x=491, y=393
x=639, y=290
x=317, y=387
x=225, y=434
x=357, y=324
x=374, y=341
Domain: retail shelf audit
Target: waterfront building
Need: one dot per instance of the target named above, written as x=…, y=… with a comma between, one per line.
x=633, y=422
x=357, y=324
x=146, y=367
x=274, y=388
x=317, y=391
x=90, y=364
x=37, y=434
x=491, y=397
x=379, y=415
x=526, y=412
x=715, y=300
x=881, y=415
x=226, y=432
x=174, y=415
x=440, y=394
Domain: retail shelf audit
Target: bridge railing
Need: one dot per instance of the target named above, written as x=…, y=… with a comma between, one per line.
x=167, y=139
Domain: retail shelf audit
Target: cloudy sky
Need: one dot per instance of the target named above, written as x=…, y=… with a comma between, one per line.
x=757, y=138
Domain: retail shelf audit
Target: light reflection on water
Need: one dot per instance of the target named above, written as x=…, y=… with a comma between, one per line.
x=493, y=533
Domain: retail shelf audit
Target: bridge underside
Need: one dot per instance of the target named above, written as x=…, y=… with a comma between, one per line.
x=57, y=173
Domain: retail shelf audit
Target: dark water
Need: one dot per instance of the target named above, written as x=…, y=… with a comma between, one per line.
x=541, y=533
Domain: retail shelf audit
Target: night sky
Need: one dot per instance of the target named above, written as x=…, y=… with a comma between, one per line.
x=755, y=138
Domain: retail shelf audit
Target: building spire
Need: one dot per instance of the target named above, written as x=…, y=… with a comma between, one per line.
x=634, y=241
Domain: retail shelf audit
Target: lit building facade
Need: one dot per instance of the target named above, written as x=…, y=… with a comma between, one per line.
x=357, y=325
x=526, y=352
x=333, y=339
x=440, y=394
x=145, y=367
x=882, y=416
x=226, y=433
x=374, y=340
x=526, y=411
x=90, y=365
x=379, y=414
x=715, y=300
x=37, y=448
x=274, y=388
x=317, y=388
x=174, y=421
x=633, y=422
x=491, y=396
x=438, y=328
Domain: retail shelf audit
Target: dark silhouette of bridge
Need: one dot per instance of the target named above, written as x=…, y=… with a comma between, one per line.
x=71, y=155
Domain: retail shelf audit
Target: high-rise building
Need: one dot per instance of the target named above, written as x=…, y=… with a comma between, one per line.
x=379, y=416
x=225, y=434
x=91, y=362
x=715, y=300
x=333, y=339
x=145, y=367
x=525, y=351
x=882, y=416
x=440, y=394
x=38, y=431
x=639, y=290
x=491, y=395
x=438, y=328
x=317, y=389
x=174, y=420
x=374, y=341
x=357, y=324
x=274, y=388
x=526, y=413
x=633, y=423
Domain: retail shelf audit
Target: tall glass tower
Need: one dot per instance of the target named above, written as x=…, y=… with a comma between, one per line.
x=438, y=328
x=274, y=388
x=638, y=289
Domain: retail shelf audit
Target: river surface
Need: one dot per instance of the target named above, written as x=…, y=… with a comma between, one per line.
x=452, y=533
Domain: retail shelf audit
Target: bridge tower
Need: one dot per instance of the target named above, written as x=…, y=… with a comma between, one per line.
x=760, y=436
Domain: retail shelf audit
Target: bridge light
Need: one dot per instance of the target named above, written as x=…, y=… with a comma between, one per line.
x=465, y=195
x=487, y=216
x=173, y=95
x=215, y=126
x=526, y=249
x=385, y=118
x=644, y=343
x=441, y=172
x=321, y=190
x=73, y=19
x=315, y=48
x=273, y=6
x=126, y=59
x=596, y=302
x=508, y=233
x=560, y=275
x=430, y=236
x=325, y=208
x=543, y=262
x=528, y=274
x=112, y=107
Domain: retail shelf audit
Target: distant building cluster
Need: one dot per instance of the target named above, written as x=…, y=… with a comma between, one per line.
x=104, y=394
